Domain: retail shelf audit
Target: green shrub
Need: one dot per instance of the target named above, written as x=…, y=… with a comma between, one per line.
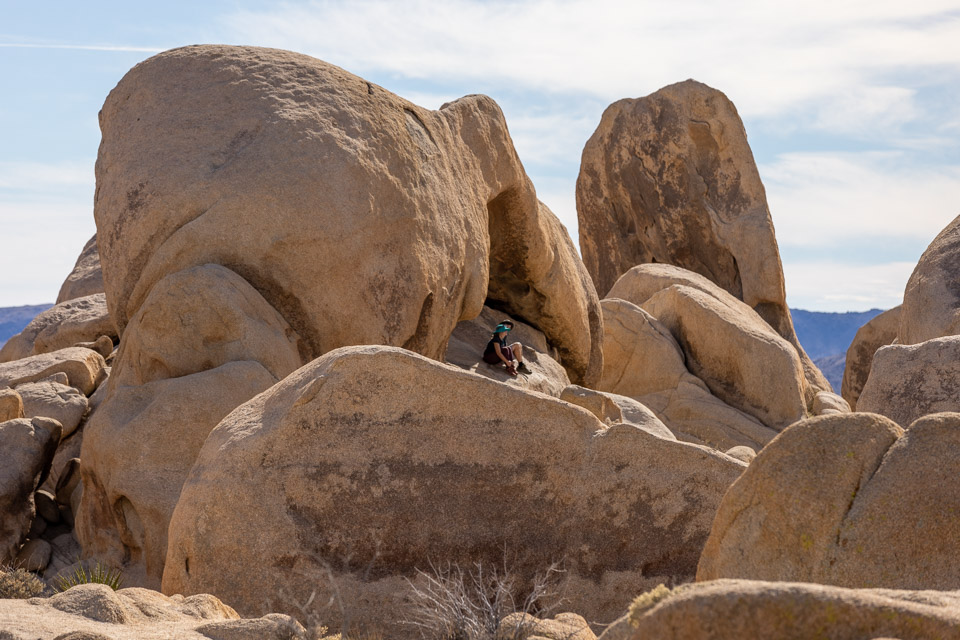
x=19, y=583
x=647, y=600
x=100, y=574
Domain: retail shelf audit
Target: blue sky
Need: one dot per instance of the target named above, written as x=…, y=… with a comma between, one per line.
x=852, y=108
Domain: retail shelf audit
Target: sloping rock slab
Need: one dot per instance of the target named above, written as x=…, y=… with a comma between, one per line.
x=372, y=462
x=738, y=609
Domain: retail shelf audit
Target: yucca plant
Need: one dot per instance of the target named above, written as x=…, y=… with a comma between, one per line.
x=99, y=574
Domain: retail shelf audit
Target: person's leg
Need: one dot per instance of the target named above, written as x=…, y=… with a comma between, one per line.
x=517, y=349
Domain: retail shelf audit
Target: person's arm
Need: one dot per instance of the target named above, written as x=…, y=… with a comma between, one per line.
x=496, y=346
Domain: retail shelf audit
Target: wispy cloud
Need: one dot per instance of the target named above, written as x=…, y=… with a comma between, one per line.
x=80, y=47
x=836, y=286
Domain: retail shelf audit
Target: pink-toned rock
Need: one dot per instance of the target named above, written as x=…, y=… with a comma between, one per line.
x=84, y=368
x=931, y=300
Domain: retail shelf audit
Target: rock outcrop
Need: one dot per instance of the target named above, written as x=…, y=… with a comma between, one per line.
x=61, y=326
x=701, y=359
x=372, y=462
x=910, y=381
x=931, y=300
x=137, y=451
x=878, y=332
x=96, y=612
x=86, y=278
x=835, y=500
x=84, y=368
x=28, y=447
x=670, y=179
x=469, y=339
x=11, y=405
x=360, y=217
x=48, y=399
x=737, y=609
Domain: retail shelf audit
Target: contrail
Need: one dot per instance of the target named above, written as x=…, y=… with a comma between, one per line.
x=84, y=47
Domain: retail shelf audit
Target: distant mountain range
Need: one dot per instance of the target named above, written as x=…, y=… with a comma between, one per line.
x=14, y=319
x=825, y=336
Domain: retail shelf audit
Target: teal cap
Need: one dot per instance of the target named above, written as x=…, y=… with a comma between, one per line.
x=502, y=327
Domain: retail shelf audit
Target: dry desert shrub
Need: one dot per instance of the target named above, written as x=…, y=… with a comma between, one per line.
x=454, y=604
x=19, y=583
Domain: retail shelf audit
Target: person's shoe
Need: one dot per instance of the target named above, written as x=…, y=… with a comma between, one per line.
x=523, y=368
x=511, y=370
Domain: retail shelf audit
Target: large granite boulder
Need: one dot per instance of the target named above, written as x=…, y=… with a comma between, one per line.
x=643, y=281
x=670, y=179
x=86, y=278
x=49, y=399
x=97, y=612
x=642, y=360
x=61, y=326
x=910, y=381
x=27, y=446
x=360, y=217
x=880, y=331
x=372, y=462
x=137, y=450
x=931, y=300
x=738, y=609
x=846, y=499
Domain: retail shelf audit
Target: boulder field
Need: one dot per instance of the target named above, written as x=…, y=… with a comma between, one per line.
x=263, y=380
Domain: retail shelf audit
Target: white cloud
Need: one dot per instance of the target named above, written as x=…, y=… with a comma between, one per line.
x=829, y=199
x=835, y=286
x=769, y=57
x=79, y=47
x=49, y=236
x=41, y=176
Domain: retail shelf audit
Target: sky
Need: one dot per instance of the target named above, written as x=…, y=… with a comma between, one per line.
x=852, y=108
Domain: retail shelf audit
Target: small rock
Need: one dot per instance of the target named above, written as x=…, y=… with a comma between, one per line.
x=47, y=507
x=825, y=402
x=34, y=555
x=61, y=402
x=742, y=453
x=59, y=377
x=103, y=345
x=11, y=405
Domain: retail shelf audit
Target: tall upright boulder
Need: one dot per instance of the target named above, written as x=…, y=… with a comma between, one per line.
x=880, y=331
x=931, y=300
x=361, y=217
x=670, y=178
x=86, y=278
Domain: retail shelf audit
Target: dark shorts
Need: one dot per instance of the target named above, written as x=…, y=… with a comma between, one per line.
x=493, y=358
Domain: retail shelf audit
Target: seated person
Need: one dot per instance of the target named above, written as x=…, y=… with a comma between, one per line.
x=498, y=351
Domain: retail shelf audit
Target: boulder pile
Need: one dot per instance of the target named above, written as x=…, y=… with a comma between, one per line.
x=263, y=380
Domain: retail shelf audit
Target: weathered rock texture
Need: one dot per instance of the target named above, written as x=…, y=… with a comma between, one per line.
x=137, y=450
x=878, y=332
x=84, y=368
x=837, y=500
x=48, y=399
x=737, y=609
x=62, y=325
x=469, y=339
x=704, y=361
x=96, y=612
x=931, y=301
x=11, y=405
x=670, y=178
x=86, y=278
x=910, y=381
x=27, y=447
x=361, y=217
x=612, y=409
x=371, y=462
